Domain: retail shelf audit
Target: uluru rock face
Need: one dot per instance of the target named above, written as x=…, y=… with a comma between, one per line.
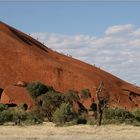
x=23, y=58
x=17, y=95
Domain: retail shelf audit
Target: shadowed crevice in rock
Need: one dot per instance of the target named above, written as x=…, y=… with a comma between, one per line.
x=28, y=41
x=1, y=90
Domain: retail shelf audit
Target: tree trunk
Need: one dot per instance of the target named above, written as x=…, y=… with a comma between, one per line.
x=99, y=109
x=99, y=115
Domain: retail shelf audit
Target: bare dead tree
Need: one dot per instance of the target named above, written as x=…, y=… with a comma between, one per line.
x=101, y=102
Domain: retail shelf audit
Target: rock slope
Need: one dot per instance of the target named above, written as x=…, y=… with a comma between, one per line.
x=23, y=58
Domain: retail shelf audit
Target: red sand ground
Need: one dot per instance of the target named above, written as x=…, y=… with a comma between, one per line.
x=23, y=58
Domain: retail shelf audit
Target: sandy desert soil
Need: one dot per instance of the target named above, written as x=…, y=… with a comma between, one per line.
x=47, y=131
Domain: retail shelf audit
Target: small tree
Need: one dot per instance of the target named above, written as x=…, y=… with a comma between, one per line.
x=50, y=102
x=101, y=102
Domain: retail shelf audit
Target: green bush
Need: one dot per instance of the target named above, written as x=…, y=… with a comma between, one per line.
x=50, y=102
x=2, y=107
x=6, y=116
x=33, y=117
x=37, y=88
x=71, y=95
x=18, y=116
x=64, y=114
x=136, y=113
x=117, y=116
x=82, y=118
x=91, y=121
x=85, y=93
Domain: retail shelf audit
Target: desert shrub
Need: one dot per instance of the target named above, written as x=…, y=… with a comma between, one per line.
x=6, y=116
x=9, y=115
x=71, y=96
x=50, y=102
x=64, y=114
x=2, y=107
x=117, y=116
x=82, y=118
x=20, y=116
x=37, y=88
x=85, y=93
x=33, y=117
x=136, y=113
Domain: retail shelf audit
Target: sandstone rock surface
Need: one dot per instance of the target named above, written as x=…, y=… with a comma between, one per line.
x=23, y=58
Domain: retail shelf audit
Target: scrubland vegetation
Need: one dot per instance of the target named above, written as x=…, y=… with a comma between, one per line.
x=59, y=108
